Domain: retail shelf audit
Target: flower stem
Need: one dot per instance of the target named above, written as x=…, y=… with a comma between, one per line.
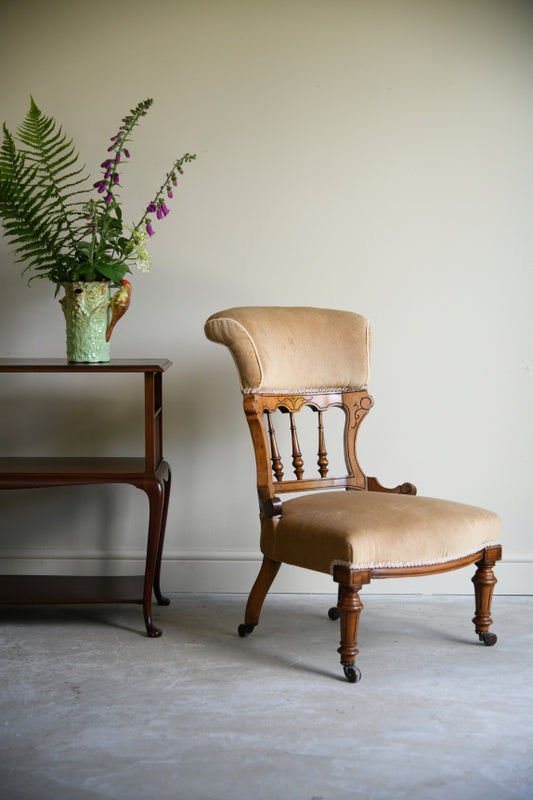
x=185, y=159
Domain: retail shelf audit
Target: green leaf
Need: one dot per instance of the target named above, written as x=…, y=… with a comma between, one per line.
x=114, y=271
x=83, y=271
x=126, y=246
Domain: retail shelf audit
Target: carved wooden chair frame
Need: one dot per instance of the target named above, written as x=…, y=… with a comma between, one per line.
x=271, y=482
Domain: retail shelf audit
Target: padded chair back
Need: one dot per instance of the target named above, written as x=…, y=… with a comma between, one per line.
x=297, y=349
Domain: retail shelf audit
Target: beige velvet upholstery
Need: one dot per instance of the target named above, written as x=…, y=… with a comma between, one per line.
x=293, y=348
x=363, y=530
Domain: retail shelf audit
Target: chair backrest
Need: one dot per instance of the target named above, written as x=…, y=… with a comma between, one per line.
x=289, y=358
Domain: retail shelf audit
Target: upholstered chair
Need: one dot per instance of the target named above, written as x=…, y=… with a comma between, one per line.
x=348, y=525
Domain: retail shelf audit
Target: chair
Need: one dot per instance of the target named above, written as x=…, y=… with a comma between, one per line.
x=349, y=526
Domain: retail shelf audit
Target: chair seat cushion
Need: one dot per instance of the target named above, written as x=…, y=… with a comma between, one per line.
x=365, y=530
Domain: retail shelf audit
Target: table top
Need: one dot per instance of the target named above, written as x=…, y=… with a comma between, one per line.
x=62, y=365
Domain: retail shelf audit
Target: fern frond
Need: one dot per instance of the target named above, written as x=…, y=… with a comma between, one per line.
x=42, y=191
x=54, y=154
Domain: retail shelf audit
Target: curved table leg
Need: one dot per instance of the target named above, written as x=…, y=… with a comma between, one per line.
x=163, y=601
x=155, y=489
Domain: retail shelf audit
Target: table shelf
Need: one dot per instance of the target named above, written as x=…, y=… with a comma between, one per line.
x=150, y=473
x=61, y=589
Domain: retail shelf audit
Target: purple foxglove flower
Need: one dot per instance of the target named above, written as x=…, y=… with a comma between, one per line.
x=115, y=178
x=110, y=148
x=169, y=192
x=180, y=171
x=151, y=208
x=100, y=185
x=164, y=209
x=106, y=164
x=127, y=153
x=107, y=174
x=159, y=213
x=149, y=230
x=117, y=158
x=108, y=198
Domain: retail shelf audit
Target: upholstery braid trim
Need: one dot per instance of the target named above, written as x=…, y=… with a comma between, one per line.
x=315, y=390
x=407, y=564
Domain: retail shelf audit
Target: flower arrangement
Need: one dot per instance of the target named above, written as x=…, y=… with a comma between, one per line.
x=48, y=219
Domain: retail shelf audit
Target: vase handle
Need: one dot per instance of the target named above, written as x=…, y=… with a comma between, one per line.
x=120, y=302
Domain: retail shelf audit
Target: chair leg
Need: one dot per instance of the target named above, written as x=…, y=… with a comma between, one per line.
x=350, y=607
x=334, y=612
x=484, y=582
x=263, y=582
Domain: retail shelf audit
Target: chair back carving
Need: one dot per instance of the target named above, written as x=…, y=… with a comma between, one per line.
x=276, y=476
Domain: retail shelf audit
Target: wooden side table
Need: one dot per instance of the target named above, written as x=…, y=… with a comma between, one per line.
x=149, y=473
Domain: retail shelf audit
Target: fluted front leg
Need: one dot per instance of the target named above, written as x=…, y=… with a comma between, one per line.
x=484, y=582
x=350, y=607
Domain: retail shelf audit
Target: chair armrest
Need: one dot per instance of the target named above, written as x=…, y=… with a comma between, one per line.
x=271, y=507
x=404, y=488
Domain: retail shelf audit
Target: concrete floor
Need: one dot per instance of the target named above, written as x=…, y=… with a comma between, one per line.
x=91, y=708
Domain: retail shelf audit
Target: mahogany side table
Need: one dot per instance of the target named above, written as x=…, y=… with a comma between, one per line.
x=150, y=473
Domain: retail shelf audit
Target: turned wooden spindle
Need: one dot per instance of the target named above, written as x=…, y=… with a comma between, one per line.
x=323, y=462
x=297, y=460
x=277, y=464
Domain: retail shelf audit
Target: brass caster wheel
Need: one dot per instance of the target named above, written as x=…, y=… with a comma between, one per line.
x=487, y=638
x=244, y=630
x=352, y=673
x=334, y=613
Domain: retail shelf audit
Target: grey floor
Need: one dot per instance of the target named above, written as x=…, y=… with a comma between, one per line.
x=91, y=708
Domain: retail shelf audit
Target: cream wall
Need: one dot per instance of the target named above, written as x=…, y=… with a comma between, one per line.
x=371, y=156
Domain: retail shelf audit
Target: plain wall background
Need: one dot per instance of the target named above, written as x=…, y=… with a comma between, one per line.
x=370, y=156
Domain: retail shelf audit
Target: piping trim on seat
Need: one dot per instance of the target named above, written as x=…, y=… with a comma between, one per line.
x=314, y=390
x=407, y=564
